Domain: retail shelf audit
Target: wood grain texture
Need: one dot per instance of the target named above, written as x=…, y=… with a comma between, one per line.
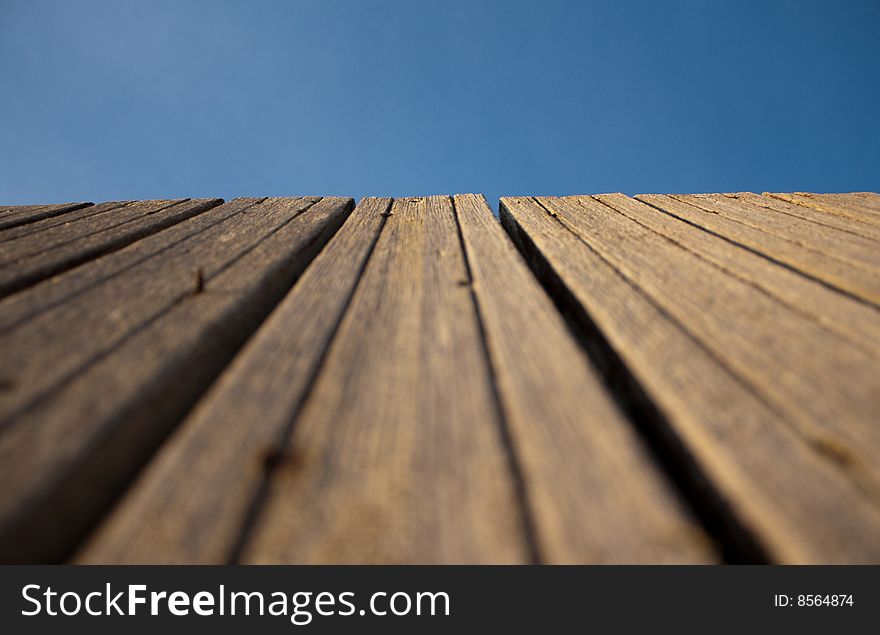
x=6, y=209
x=835, y=311
x=838, y=223
x=860, y=206
x=594, y=492
x=396, y=455
x=779, y=482
x=871, y=200
x=71, y=221
x=760, y=339
x=51, y=292
x=152, y=339
x=841, y=275
x=847, y=247
x=43, y=355
x=671, y=378
x=13, y=216
x=35, y=257
x=193, y=501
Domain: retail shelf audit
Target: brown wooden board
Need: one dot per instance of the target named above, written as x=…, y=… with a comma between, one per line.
x=94, y=383
x=235, y=437
x=860, y=206
x=854, y=249
x=593, y=489
x=51, y=292
x=388, y=444
x=858, y=282
x=34, y=257
x=396, y=454
x=838, y=223
x=399, y=454
x=72, y=221
x=13, y=216
x=671, y=378
x=794, y=485
x=835, y=311
x=783, y=355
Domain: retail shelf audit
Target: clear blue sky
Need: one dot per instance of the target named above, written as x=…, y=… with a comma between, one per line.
x=118, y=99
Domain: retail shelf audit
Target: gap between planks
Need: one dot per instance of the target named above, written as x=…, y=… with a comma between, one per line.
x=170, y=359
x=568, y=529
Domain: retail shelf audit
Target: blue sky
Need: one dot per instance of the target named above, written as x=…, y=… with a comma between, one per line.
x=154, y=99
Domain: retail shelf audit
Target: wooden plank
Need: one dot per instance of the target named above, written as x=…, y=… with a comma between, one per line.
x=11, y=208
x=865, y=202
x=14, y=216
x=68, y=219
x=783, y=482
x=153, y=339
x=220, y=450
x=396, y=455
x=102, y=316
x=26, y=240
x=841, y=223
x=850, y=318
x=870, y=199
x=25, y=305
x=30, y=259
x=851, y=206
x=847, y=247
x=594, y=490
x=819, y=266
x=759, y=338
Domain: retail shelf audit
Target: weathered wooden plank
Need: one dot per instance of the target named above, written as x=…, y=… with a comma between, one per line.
x=13, y=216
x=152, y=338
x=870, y=199
x=847, y=247
x=840, y=223
x=868, y=202
x=820, y=266
x=221, y=450
x=853, y=206
x=29, y=259
x=594, y=491
x=26, y=304
x=69, y=219
x=27, y=240
x=41, y=355
x=792, y=488
x=25, y=208
x=835, y=311
x=396, y=454
x=759, y=338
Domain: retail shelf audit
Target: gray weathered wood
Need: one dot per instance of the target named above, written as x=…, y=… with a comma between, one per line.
x=96, y=382
x=782, y=481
